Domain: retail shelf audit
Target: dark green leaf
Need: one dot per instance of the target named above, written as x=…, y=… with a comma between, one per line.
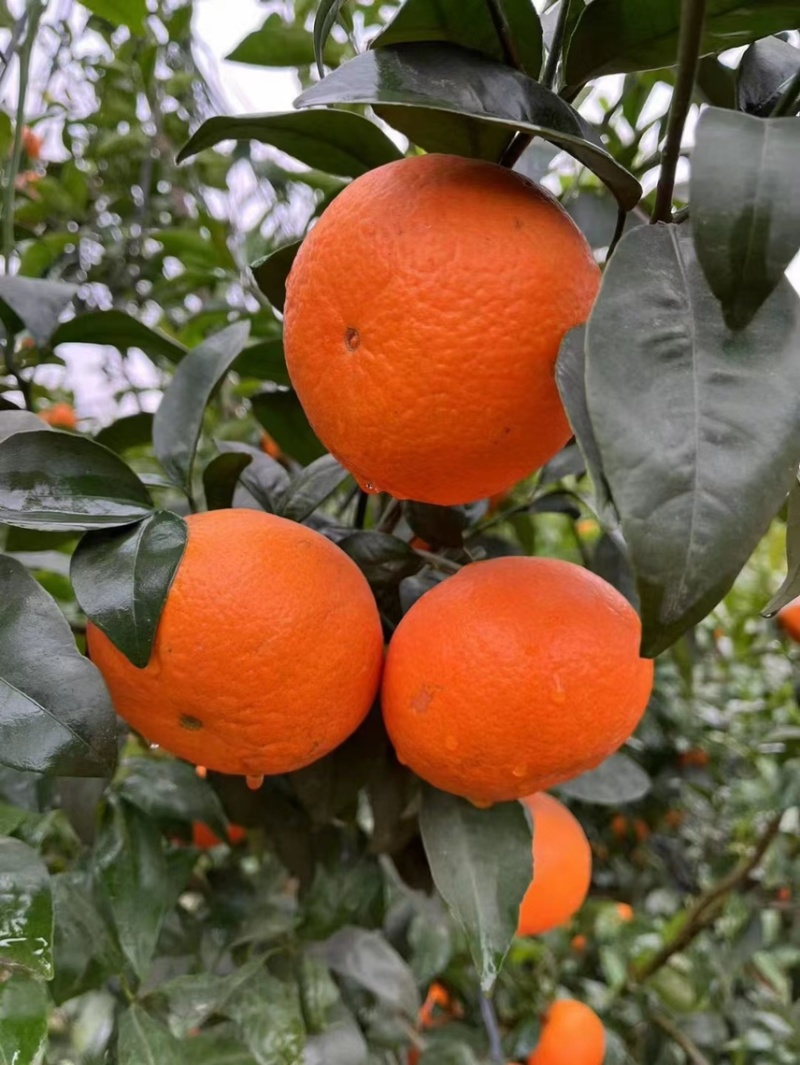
x=265, y=361
x=57, y=717
x=221, y=476
x=695, y=491
x=338, y=142
x=383, y=559
x=35, y=304
x=135, y=430
x=716, y=83
x=85, y=950
x=130, y=13
x=192, y=999
x=271, y=272
x=268, y=1014
x=447, y=99
x=370, y=961
x=439, y=526
x=132, y=874
x=169, y=790
x=282, y=416
x=26, y=910
x=311, y=487
x=121, y=579
x=145, y=1041
x=67, y=482
x=473, y=24
x=118, y=330
x=24, y=1010
x=482, y=866
x=744, y=193
x=616, y=781
x=324, y=20
x=220, y=1045
x=790, y=588
x=617, y=36
x=341, y=1043
x=569, y=462
x=264, y=479
x=344, y=894
x=765, y=71
x=278, y=44
x=611, y=562
x=595, y=214
x=179, y=418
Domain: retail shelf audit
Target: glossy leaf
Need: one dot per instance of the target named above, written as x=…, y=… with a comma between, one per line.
x=696, y=491
x=277, y=44
x=69, y=483
x=57, y=717
x=169, y=790
x=311, y=487
x=369, y=960
x=35, y=304
x=264, y=480
x=338, y=142
x=272, y=270
x=324, y=21
x=130, y=13
x=268, y=1014
x=617, y=36
x=85, y=947
x=179, y=418
x=495, y=846
x=790, y=588
x=145, y=1041
x=447, y=99
x=221, y=476
x=473, y=24
x=121, y=579
x=615, y=781
x=383, y=559
x=219, y=1045
x=440, y=526
x=282, y=416
x=341, y=1043
x=765, y=71
x=24, y=1011
x=265, y=361
x=131, y=872
x=117, y=330
x=26, y=910
x=193, y=998
x=745, y=187
x=135, y=430
x=19, y=421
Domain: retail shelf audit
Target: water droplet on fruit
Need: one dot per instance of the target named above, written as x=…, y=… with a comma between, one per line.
x=451, y=743
x=370, y=487
x=153, y=746
x=201, y=771
x=559, y=696
x=254, y=783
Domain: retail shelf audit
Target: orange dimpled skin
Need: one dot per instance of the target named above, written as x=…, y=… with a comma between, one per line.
x=268, y=653
x=562, y=867
x=423, y=317
x=572, y=1034
x=789, y=619
x=512, y=676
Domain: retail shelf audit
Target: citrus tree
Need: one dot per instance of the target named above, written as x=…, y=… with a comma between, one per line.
x=481, y=360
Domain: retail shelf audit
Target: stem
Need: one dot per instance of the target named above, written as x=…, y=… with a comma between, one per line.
x=34, y=14
x=787, y=104
x=622, y=216
x=498, y=17
x=489, y=1018
x=692, y=1052
x=705, y=909
x=549, y=75
x=11, y=365
x=361, y=509
x=516, y=147
x=446, y=565
x=691, y=32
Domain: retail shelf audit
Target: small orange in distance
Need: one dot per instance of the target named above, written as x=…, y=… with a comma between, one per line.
x=205, y=839
x=562, y=867
x=60, y=416
x=249, y=672
x=579, y=943
x=572, y=1034
x=31, y=143
x=512, y=676
x=270, y=446
x=423, y=317
x=624, y=911
x=788, y=619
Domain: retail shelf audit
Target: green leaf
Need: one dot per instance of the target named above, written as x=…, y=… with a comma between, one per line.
x=338, y=142
x=193, y=998
x=221, y=476
x=264, y=479
x=57, y=717
x=473, y=24
x=220, y=1045
x=135, y=430
x=369, y=960
x=67, y=482
x=20, y=421
x=168, y=790
x=131, y=873
x=765, y=71
x=383, y=559
x=272, y=270
x=145, y=1041
x=790, y=588
x=265, y=361
x=615, y=781
x=24, y=1011
x=278, y=44
x=419, y=88
x=130, y=13
x=35, y=304
x=118, y=330
x=26, y=910
x=122, y=577
x=440, y=526
x=481, y=863
x=695, y=491
x=6, y=128
x=282, y=416
x=179, y=418
x=341, y=1043
x=85, y=950
x=324, y=20
x=744, y=189
x=311, y=487
x=268, y=1014
x=618, y=36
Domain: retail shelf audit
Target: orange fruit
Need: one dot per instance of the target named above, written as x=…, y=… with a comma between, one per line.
x=619, y=826
x=641, y=830
x=562, y=867
x=624, y=911
x=579, y=943
x=423, y=317
x=512, y=676
x=60, y=416
x=31, y=143
x=269, y=446
x=788, y=619
x=572, y=1034
x=203, y=837
x=250, y=672
x=695, y=757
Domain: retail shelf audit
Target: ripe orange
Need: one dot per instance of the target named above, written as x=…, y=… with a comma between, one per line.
x=619, y=826
x=203, y=837
x=423, y=318
x=512, y=676
x=624, y=911
x=562, y=867
x=31, y=143
x=572, y=1034
x=250, y=672
x=579, y=943
x=60, y=416
x=789, y=619
x=641, y=830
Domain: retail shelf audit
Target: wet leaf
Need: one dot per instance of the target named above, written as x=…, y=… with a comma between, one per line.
x=24, y=1010
x=268, y=1014
x=221, y=476
x=145, y=1041
x=168, y=790
x=26, y=910
x=369, y=960
x=311, y=487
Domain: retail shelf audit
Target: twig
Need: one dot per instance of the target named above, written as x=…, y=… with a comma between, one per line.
x=502, y=30
x=489, y=1018
x=446, y=565
x=622, y=217
x=787, y=104
x=704, y=911
x=690, y=1049
x=691, y=31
